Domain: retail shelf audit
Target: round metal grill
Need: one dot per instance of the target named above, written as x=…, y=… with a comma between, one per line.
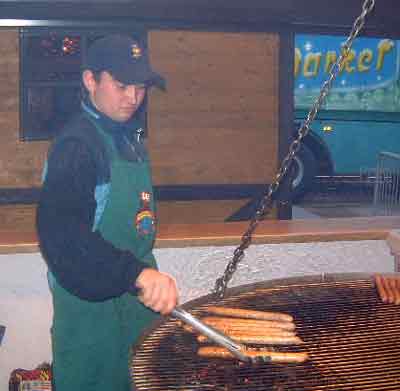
x=352, y=338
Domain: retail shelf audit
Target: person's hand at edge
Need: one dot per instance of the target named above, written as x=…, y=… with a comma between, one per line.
x=158, y=290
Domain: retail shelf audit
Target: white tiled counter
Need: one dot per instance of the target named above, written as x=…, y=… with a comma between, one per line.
x=196, y=268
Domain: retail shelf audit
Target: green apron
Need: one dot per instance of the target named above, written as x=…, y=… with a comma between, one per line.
x=91, y=340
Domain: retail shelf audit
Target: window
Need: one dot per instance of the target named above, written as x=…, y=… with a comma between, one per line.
x=50, y=77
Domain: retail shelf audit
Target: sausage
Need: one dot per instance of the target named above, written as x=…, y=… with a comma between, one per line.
x=381, y=288
x=275, y=357
x=265, y=339
x=250, y=314
x=227, y=329
x=397, y=302
x=247, y=323
x=388, y=289
x=394, y=286
x=391, y=282
x=248, y=331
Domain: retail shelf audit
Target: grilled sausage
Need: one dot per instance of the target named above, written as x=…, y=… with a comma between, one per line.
x=247, y=323
x=397, y=302
x=248, y=331
x=381, y=288
x=391, y=283
x=272, y=339
x=275, y=357
x=388, y=289
x=227, y=329
x=394, y=285
x=250, y=314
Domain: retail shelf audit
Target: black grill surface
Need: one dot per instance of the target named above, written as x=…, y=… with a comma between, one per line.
x=353, y=341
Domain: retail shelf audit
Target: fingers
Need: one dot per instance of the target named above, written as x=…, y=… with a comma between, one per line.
x=388, y=288
x=160, y=296
x=158, y=291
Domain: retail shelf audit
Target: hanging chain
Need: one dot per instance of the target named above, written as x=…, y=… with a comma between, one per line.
x=267, y=200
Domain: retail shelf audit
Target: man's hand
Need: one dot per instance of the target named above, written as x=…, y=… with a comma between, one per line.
x=159, y=291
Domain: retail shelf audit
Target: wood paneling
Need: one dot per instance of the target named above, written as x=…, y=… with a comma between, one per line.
x=195, y=212
x=20, y=162
x=219, y=234
x=21, y=218
x=217, y=123
x=17, y=218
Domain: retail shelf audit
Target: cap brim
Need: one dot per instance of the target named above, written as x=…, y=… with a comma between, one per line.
x=156, y=80
x=141, y=75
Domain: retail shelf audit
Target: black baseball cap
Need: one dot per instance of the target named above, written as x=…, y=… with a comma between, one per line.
x=125, y=59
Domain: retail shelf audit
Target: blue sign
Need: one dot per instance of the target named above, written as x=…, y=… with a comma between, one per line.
x=372, y=63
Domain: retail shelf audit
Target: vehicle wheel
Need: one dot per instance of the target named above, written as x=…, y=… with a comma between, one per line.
x=304, y=171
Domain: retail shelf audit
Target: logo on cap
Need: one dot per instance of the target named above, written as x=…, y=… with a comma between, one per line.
x=136, y=51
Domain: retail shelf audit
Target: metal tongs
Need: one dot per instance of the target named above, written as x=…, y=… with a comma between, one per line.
x=237, y=349
x=216, y=336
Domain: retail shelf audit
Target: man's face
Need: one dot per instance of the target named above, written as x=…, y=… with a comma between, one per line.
x=113, y=98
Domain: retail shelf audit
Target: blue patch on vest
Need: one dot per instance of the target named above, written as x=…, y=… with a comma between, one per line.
x=44, y=172
x=51, y=280
x=101, y=194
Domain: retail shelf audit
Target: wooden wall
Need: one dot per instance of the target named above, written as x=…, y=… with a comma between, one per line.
x=217, y=123
x=20, y=162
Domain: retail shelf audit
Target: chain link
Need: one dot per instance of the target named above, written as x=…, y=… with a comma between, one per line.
x=267, y=200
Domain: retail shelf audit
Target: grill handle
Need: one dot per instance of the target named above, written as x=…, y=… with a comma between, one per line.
x=219, y=338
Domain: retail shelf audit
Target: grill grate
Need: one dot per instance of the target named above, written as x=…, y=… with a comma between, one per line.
x=352, y=338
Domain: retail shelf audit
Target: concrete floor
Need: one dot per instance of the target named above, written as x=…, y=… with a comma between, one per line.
x=331, y=210
x=338, y=203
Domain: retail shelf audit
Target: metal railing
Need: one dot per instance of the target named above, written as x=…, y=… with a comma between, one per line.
x=387, y=185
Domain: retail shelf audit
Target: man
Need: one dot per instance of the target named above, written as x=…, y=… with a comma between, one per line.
x=96, y=224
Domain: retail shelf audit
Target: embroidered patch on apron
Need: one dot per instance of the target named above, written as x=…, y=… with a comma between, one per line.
x=145, y=219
